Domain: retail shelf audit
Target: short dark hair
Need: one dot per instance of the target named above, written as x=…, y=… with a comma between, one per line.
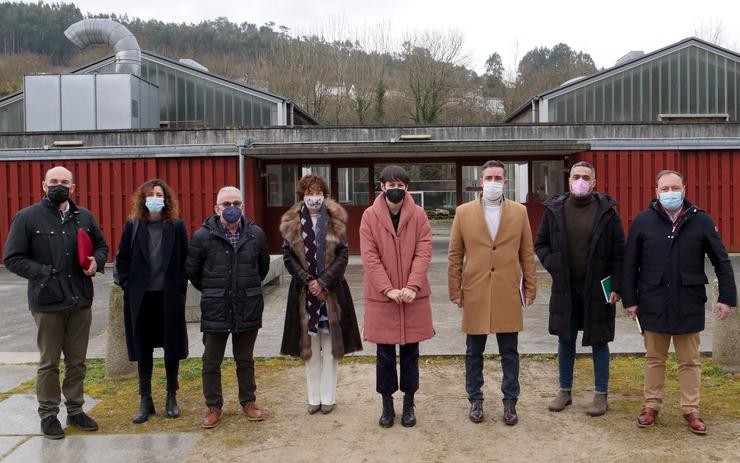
x=667, y=172
x=584, y=164
x=492, y=163
x=396, y=173
x=308, y=181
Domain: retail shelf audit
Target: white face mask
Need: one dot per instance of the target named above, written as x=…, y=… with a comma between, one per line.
x=313, y=201
x=492, y=191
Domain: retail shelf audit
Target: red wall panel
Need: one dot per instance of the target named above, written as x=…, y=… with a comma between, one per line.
x=105, y=187
x=710, y=178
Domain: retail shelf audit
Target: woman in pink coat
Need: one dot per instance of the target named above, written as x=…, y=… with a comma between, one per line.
x=396, y=247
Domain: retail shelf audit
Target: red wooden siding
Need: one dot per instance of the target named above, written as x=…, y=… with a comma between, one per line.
x=710, y=178
x=105, y=186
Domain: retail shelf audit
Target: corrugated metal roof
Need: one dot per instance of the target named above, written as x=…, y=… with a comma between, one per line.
x=627, y=64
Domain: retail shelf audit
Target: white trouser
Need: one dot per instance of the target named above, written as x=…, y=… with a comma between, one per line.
x=321, y=371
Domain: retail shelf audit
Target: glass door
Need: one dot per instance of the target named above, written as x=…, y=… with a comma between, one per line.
x=353, y=189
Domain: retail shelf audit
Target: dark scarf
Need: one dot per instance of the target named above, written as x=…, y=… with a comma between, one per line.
x=314, y=246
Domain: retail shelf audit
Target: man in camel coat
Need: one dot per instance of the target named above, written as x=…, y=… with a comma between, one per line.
x=491, y=276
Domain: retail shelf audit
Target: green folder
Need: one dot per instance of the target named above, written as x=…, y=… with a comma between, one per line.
x=606, y=287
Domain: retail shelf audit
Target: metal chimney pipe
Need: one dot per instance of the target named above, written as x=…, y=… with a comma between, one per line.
x=106, y=31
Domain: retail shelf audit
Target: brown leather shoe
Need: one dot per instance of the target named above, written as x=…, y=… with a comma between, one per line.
x=212, y=418
x=510, y=416
x=326, y=409
x=696, y=425
x=313, y=409
x=252, y=411
x=647, y=417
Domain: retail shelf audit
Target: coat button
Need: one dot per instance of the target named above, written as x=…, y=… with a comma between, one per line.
x=492, y=269
x=494, y=248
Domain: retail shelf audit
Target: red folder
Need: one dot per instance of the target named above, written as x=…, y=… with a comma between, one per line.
x=84, y=248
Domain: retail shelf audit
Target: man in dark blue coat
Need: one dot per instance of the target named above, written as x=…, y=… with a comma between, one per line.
x=663, y=286
x=581, y=242
x=42, y=247
x=227, y=261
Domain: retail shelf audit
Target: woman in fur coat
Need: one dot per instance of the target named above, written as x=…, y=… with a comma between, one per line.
x=320, y=321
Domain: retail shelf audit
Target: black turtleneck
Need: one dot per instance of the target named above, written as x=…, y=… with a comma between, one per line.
x=580, y=214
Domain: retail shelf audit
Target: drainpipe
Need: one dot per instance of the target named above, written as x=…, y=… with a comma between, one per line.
x=106, y=31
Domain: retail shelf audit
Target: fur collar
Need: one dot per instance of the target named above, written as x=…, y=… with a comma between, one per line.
x=290, y=229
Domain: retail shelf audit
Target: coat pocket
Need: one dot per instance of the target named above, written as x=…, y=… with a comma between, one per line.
x=49, y=290
x=250, y=304
x=213, y=304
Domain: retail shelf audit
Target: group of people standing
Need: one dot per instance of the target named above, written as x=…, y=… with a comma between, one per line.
x=659, y=274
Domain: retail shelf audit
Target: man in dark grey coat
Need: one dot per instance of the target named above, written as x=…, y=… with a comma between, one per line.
x=42, y=247
x=227, y=261
x=664, y=288
x=581, y=242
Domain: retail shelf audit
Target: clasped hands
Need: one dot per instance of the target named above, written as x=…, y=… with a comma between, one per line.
x=401, y=295
x=317, y=290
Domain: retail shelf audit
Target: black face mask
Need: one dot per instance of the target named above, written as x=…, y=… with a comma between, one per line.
x=57, y=194
x=395, y=195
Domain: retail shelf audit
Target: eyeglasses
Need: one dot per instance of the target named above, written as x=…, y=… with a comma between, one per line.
x=226, y=204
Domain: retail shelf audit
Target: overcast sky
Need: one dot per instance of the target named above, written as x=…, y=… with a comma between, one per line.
x=605, y=30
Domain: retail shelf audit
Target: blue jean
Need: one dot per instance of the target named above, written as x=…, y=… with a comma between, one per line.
x=567, y=350
x=507, y=347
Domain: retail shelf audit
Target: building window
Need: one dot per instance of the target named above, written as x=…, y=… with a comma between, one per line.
x=354, y=185
x=281, y=182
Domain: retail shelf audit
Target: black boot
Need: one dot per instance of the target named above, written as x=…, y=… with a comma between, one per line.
x=173, y=411
x=386, y=419
x=408, y=418
x=146, y=408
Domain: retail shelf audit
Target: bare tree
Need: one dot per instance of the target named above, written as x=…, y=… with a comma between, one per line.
x=367, y=72
x=299, y=69
x=430, y=58
x=712, y=31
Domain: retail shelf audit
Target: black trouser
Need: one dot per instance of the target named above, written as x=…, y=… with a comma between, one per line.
x=507, y=347
x=145, y=367
x=242, y=345
x=385, y=368
x=151, y=334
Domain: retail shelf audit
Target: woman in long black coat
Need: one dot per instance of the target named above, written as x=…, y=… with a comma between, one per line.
x=320, y=321
x=151, y=270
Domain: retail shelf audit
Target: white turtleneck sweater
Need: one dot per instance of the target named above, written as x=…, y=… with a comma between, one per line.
x=492, y=212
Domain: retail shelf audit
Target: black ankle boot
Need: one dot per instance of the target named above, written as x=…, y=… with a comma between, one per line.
x=386, y=419
x=408, y=418
x=146, y=408
x=173, y=411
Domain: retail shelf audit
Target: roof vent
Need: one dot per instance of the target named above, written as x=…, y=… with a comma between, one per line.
x=631, y=56
x=106, y=31
x=193, y=64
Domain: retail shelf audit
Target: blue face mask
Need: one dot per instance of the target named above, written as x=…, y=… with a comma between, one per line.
x=154, y=204
x=231, y=214
x=671, y=200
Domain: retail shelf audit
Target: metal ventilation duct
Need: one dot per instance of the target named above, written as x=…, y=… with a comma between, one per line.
x=106, y=31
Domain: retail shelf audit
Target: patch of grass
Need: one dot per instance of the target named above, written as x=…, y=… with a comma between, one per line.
x=719, y=390
x=119, y=399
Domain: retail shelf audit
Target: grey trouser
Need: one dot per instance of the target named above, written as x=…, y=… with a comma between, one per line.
x=66, y=331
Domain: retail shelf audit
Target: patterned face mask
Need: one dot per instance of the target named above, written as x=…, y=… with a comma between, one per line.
x=313, y=201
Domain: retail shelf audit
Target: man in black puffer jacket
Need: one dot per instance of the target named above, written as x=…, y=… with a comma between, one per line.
x=227, y=261
x=581, y=242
